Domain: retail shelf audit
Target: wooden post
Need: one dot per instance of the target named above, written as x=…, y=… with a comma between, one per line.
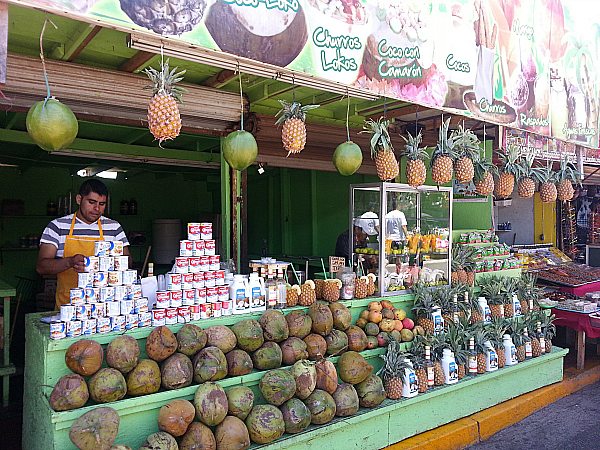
x=580, y=349
x=3, y=40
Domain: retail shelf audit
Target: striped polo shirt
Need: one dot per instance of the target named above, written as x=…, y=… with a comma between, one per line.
x=57, y=231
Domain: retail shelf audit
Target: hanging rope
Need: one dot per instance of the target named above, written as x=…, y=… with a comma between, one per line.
x=241, y=97
x=293, y=88
x=348, y=115
x=48, y=95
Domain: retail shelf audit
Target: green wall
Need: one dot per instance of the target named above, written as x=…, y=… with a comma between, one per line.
x=297, y=212
x=158, y=194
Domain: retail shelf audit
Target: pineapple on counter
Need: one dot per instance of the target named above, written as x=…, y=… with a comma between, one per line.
x=509, y=287
x=498, y=329
x=371, y=287
x=437, y=349
x=457, y=337
x=547, y=179
x=423, y=308
x=331, y=289
x=549, y=330
x=420, y=367
x=567, y=175
x=292, y=295
x=381, y=148
x=164, y=120
x=519, y=338
x=491, y=289
x=442, y=159
x=526, y=175
x=416, y=171
x=293, y=133
x=392, y=371
x=510, y=169
x=484, y=176
x=481, y=336
x=466, y=146
x=361, y=288
x=307, y=293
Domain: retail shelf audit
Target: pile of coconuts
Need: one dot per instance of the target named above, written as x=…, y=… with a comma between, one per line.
x=170, y=361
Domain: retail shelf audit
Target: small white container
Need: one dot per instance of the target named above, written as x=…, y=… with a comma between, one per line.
x=186, y=248
x=173, y=281
x=100, y=279
x=120, y=293
x=491, y=358
x=485, y=309
x=129, y=276
x=410, y=384
x=115, y=278
x=67, y=313
x=193, y=231
x=516, y=305
x=106, y=264
x=85, y=279
x=58, y=330
x=121, y=263
x=127, y=307
x=117, y=323
x=181, y=264
x=103, y=325
x=176, y=299
x=510, y=351
x=449, y=367
x=77, y=296
x=239, y=293
x=113, y=309
x=438, y=321
x=107, y=294
x=91, y=264
x=158, y=317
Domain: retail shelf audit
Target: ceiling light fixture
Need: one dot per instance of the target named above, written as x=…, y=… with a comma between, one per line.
x=222, y=60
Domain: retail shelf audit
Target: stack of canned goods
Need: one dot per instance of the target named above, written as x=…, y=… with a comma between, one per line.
x=195, y=288
x=108, y=296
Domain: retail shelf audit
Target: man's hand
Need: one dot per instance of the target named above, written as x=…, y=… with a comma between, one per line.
x=77, y=262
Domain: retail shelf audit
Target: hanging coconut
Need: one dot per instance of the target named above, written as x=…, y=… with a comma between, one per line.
x=51, y=124
x=347, y=158
x=240, y=149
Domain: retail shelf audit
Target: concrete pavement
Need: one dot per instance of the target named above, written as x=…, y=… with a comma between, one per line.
x=569, y=423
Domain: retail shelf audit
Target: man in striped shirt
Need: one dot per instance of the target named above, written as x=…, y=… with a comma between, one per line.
x=67, y=240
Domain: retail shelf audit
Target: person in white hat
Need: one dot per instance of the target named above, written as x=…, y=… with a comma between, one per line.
x=364, y=226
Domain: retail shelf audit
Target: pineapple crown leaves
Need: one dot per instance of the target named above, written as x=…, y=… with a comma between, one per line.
x=545, y=174
x=445, y=143
x=394, y=362
x=465, y=143
x=294, y=110
x=526, y=169
x=424, y=303
x=517, y=334
x=380, y=136
x=412, y=150
x=491, y=289
x=480, y=336
x=483, y=166
x=548, y=325
x=568, y=171
x=164, y=81
x=497, y=329
x=508, y=159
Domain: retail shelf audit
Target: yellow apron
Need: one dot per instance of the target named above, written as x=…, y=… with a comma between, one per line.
x=83, y=245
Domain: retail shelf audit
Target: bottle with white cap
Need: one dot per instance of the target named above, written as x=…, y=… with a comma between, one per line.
x=449, y=367
x=485, y=309
x=410, y=383
x=491, y=358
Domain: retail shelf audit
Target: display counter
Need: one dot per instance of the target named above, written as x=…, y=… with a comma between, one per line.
x=46, y=429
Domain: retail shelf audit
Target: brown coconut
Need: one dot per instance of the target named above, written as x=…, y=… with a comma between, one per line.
x=322, y=319
x=84, y=357
x=346, y=400
x=321, y=406
x=232, y=434
x=265, y=424
x=160, y=344
x=175, y=417
x=209, y=364
x=176, y=371
x=95, y=430
x=107, y=385
x=274, y=325
x=342, y=319
x=293, y=349
x=191, y=339
x=357, y=339
x=337, y=342
x=238, y=363
x=198, y=437
x=222, y=337
x=353, y=368
x=249, y=335
x=305, y=375
x=240, y=400
x=299, y=324
x=327, y=377
x=316, y=346
x=160, y=441
x=69, y=392
x=370, y=391
x=267, y=357
x=123, y=353
x=144, y=378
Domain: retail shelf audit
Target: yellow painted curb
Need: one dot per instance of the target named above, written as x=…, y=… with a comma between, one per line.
x=484, y=424
x=452, y=436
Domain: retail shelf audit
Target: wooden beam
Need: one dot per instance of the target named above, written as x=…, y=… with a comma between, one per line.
x=80, y=42
x=137, y=62
x=3, y=40
x=220, y=79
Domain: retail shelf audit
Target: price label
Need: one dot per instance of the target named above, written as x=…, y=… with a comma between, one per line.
x=336, y=263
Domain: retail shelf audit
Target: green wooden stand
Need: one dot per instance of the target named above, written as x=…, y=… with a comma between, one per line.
x=6, y=369
x=372, y=428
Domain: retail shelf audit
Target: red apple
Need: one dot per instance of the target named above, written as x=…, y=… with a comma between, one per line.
x=408, y=323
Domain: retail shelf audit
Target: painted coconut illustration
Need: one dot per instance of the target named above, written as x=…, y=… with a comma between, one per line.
x=271, y=35
x=168, y=17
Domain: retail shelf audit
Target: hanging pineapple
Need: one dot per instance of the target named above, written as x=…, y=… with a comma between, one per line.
x=443, y=156
x=381, y=148
x=506, y=180
x=416, y=172
x=526, y=175
x=466, y=146
x=484, y=176
x=547, y=179
x=164, y=120
x=567, y=175
x=293, y=133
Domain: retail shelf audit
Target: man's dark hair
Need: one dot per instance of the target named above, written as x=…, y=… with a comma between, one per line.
x=93, y=185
